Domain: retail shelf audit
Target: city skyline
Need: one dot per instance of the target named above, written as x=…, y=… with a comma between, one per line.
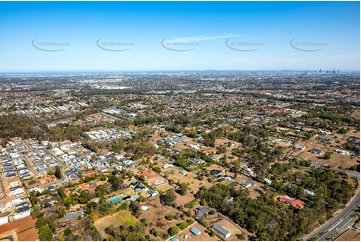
x=178, y=36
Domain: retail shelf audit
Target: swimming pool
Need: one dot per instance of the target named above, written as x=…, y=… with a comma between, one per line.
x=115, y=199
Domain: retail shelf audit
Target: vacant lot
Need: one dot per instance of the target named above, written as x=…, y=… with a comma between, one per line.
x=189, y=178
x=174, y=174
x=117, y=219
x=350, y=235
x=156, y=213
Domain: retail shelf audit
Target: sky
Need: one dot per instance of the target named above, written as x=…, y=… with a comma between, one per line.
x=155, y=36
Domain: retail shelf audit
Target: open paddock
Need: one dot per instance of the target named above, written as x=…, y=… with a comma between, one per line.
x=191, y=237
x=155, y=215
x=117, y=219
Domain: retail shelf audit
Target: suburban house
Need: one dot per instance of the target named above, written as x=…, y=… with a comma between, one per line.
x=230, y=200
x=216, y=173
x=294, y=202
x=152, y=193
x=134, y=184
x=342, y=152
x=299, y=147
x=51, y=188
x=88, y=173
x=48, y=201
x=139, y=188
x=268, y=181
x=222, y=231
x=73, y=176
x=183, y=172
x=85, y=187
x=325, y=139
x=246, y=184
x=316, y=151
x=166, y=166
x=202, y=211
x=47, y=179
x=148, y=175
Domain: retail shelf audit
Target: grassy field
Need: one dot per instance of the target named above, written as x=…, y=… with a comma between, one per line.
x=117, y=219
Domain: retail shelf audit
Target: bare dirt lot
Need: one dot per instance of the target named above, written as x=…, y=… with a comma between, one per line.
x=183, y=199
x=156, y=213
x=350, y=235
x=228, y=225
x=337, y=160
x=173, y=173
x=191, y=237
x=25, y=229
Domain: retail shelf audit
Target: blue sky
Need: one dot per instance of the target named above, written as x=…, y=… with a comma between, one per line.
x=127, y=36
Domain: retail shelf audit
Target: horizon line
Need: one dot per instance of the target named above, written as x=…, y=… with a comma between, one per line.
x=203, y=70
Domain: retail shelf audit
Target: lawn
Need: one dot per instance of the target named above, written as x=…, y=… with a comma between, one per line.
x=117, y=219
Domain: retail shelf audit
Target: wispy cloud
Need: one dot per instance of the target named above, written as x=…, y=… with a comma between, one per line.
x=274, y=37
x=204, y=38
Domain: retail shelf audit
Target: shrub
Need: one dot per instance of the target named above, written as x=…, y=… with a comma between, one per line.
x=169, y=217
x=183, y=225
x=174, y=230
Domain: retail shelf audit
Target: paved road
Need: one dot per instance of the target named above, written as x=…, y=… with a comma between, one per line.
x=339, y=226
x=332, y=225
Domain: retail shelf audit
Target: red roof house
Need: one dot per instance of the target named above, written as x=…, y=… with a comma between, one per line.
x=297, y=203
x=86, y=187
x=88, y=173
x=148, y=175
x=294, y=202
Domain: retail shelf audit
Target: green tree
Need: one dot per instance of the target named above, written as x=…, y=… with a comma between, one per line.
x=157, y=169
x=327, y=156
x=134, y=208
x=100, y=190
x=183, y=225
x=183, y=188
x=58, y=172
x=67, y=231
x=50, y=171
x=115, y=182
x=45, y=233
x=126, y=232
x=174, y=230
x=61, y=192
x=169, y=198
x=204, y=202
